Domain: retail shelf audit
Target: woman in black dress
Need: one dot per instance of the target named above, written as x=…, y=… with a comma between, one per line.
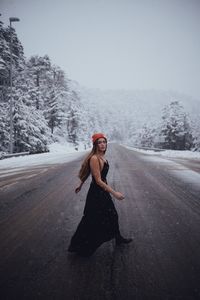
x=100, y=219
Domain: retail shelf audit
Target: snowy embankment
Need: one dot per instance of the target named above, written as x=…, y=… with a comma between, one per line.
x=181, y=164
x=59, y=153
x=186, y=154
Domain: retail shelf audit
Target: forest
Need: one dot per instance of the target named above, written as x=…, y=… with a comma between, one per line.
x=49, y=107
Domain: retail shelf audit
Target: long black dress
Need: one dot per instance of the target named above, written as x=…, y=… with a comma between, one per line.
x=99, y=222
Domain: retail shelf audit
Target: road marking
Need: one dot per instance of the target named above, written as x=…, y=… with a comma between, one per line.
x=7, y=183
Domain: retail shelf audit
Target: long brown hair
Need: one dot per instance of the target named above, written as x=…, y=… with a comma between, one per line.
x=85, y=167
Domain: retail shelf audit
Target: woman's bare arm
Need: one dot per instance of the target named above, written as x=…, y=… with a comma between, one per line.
x=95, y=170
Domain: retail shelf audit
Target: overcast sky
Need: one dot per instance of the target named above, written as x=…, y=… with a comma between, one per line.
x=111, y=44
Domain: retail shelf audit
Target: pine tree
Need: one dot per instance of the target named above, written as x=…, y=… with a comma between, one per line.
x=4, y=58
x=52, y=114
x=39, y=69
x=30, y=129
x=73, y=118
x=18, y=60
x=4, y=127
x=196, y=133
x=175, y=128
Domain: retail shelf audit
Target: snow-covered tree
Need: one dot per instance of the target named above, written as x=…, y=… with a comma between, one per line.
x=146, y=136
x=4, y=127
x=39, y=69
x=73, y=118
x=17, y=48
x=84, y=130
x=4, y=57
x=196, y=133
x=30, y=130
x=175, y=128
x=53, y=113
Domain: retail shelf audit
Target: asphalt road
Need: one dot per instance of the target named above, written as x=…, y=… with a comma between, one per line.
x=39, y=212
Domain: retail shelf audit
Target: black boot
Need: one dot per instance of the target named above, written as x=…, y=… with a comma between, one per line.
x=121, y=240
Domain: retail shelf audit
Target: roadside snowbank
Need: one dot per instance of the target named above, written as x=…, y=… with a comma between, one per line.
x=170, y=153
x=59, y=153
x=167, y=159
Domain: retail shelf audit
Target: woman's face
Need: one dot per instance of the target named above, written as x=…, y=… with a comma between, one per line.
x=101, y=144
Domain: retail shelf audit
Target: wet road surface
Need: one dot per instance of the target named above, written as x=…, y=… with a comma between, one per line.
x=39, y=212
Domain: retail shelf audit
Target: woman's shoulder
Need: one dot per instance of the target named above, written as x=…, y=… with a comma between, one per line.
x=93, y=160
x=94, y=157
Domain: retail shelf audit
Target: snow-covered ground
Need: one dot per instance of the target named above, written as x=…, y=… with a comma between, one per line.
x=59, y=153
x=177, y=168
x=170, y=153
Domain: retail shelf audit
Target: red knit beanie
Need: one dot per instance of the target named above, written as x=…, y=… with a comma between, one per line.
x=97, y=136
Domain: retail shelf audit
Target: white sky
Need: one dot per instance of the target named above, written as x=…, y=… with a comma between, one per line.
x=111, y=44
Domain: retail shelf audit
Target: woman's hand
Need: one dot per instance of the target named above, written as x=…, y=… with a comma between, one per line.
x=118, y=196
x=78, y=188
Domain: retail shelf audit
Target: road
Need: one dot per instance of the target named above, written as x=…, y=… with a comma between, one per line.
x=39, y=212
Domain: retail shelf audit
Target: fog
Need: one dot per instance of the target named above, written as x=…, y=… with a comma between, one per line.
x=114, y=44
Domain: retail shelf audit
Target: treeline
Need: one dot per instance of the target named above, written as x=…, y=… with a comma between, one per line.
x=45, y=106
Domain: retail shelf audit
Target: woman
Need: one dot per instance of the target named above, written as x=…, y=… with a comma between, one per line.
x=100, y=219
